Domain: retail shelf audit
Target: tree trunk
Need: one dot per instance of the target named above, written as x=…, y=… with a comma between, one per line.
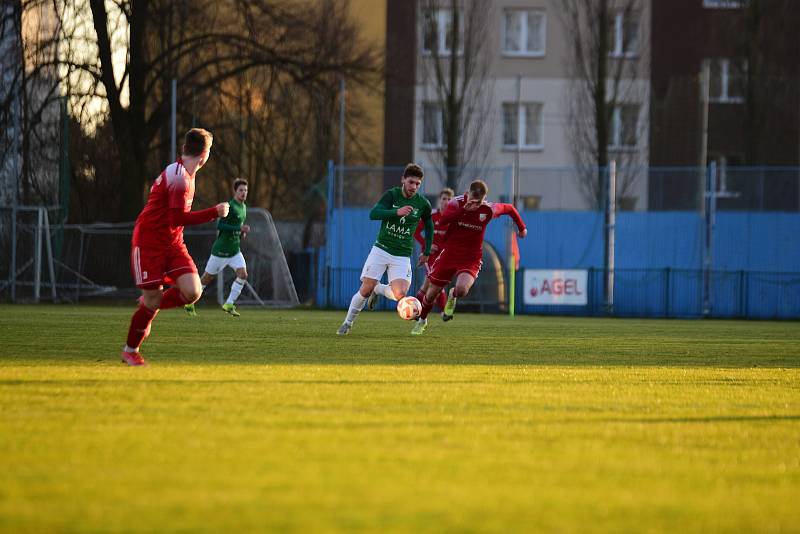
x=600, y=98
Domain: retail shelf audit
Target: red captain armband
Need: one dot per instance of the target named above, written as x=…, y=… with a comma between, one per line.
x=178, y=217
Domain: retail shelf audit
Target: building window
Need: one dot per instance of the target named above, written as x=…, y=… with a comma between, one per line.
x=437, y=33
x=523, y=125
x=432, y=125
x=523, y=32
x=624, y=126
x=727, y=79
x=623, y=34
x=723, y=4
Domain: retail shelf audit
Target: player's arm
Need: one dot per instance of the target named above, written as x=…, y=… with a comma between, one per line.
x=180, y=197
x=509, y=209
x=178, y=217
x=384, y=210
x=418, y=234
x=427, y=220
x=452, y=212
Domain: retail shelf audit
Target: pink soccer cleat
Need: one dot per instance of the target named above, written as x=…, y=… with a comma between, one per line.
x=133, y=359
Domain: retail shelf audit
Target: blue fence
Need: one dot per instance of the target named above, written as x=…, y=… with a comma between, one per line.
x=659, y=255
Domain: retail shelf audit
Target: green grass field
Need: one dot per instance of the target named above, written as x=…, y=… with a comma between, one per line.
x=271, y=422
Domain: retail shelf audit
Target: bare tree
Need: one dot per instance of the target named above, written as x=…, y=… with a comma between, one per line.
x=203, y=45
x=456, y=42
x=768, y=68
x=607, y=42
x=29, y=99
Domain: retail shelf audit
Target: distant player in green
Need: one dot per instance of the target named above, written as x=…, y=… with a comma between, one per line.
x=400, y=209
x=226, y=249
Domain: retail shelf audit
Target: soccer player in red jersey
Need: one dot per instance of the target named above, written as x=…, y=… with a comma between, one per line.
x=158, y=253
x=439, y=230
x=467, y=218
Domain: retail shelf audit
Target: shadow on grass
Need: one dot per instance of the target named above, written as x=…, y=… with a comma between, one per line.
x=169, y=358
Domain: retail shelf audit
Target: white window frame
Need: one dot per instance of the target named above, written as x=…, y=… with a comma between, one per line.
x=524, y=33
x=617, y=50
x=442, y=18
x=725, y=83
x=723, y=4
x=439, y=123
x=521, y=119
x=615, y=141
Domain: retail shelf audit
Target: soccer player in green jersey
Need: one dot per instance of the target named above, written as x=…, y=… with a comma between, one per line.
x=400, y=209
x=226, y=249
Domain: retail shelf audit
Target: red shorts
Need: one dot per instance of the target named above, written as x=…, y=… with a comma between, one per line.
x=154, y=267
x=431, y=261
x=444, y=269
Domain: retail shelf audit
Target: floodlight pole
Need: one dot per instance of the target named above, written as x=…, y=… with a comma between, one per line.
x=705, y=96
x=610, y=233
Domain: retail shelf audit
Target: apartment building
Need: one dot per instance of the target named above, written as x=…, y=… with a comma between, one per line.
x=526, y=96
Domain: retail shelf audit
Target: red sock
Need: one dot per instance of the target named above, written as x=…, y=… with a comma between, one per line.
x=441, y=299
x=140, y=326
x=420, y=295
x=426, y=307
x=172, y=298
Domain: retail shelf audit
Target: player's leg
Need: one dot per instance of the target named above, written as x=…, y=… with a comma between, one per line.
x=357, y=304
x=147, y=267
x=423, y=289
x=213, y=266
x=464, y=283
x=186, y=288
x=238, y=264
x=438, y=278
x=428, y=300
x=399, y=268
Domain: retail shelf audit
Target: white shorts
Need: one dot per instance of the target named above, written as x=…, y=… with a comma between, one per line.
x=379, y=261
x=216, y=264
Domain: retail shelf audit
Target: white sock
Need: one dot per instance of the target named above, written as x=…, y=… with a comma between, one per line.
x=236, y=290
x=128, y=349
x=356, y=305
x=385, y=290
x=423, y=321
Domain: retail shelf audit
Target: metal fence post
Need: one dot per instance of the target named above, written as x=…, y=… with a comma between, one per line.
x=328, y=231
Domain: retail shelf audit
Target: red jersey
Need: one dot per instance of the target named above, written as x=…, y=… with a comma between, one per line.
x=174, y=188
x=439, y=230
x=466, y=229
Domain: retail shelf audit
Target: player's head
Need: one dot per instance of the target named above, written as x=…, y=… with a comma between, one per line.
x=445, y=196
x=197, y=142
x=478, y=191
x=240, y=189
x=412, y=179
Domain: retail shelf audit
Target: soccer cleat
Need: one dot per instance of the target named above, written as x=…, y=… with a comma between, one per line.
x=134, y=359
x=446, y=317
x=190, y=310
x=231, y=308
x=373, y=298
x=450, y=306
x=344, y=329
x=419, y=328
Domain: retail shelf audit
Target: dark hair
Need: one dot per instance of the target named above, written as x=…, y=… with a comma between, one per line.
x=478, y=189
x=412, y=169
x=237, y=182
x=197, y=141
x=447, y=191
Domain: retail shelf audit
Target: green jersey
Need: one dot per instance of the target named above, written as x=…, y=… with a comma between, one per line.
x=230, y=228
x=396, y=235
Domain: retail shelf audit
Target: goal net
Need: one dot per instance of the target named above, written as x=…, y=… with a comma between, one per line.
x=93, y=261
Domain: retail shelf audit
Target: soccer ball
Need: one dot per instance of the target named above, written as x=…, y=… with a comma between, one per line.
x=409, y=308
